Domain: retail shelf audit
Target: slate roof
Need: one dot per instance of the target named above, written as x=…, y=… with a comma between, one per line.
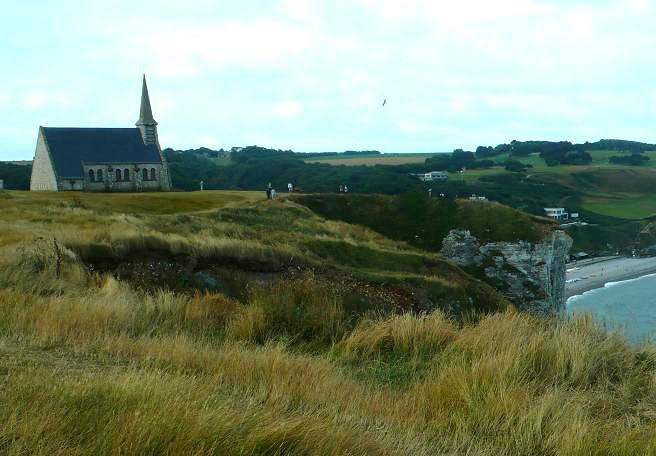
x=69, y=147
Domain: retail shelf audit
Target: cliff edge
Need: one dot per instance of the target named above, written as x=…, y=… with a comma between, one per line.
x=531, y=275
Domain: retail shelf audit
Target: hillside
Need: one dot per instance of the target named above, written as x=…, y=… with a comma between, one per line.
x=615, y=200
x=227, y=239
x=424, y=222
x=219, y=322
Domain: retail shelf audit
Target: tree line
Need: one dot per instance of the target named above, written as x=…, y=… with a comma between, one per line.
x=254, y=168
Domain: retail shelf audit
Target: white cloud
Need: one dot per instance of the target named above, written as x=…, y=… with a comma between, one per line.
x=175, y=49
x=208, y=141
x=174, y=69
x=287, y=109
x=460, y=103
x=4, y=98
x=453, y=14
x=454, y=73
x=41, y=99
x=302, y=10
x=640, y=5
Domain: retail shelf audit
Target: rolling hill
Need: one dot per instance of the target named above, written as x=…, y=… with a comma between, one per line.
x=220, y=322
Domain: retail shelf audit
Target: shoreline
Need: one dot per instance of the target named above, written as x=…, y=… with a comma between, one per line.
x=596, y=273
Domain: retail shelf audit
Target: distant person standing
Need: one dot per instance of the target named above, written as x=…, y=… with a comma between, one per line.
x=268, y=191
x=273, y=193
x=346, y=189
x=341, y=189
x=290, y=187
x=201, y=185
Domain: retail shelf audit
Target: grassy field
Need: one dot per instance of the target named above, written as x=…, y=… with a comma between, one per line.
x=312, y=343
x=600, y=159
x=622, y=205
x=619, y=191
x=372, y=160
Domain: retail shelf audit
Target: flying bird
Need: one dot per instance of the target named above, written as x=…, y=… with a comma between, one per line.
x=384, y=102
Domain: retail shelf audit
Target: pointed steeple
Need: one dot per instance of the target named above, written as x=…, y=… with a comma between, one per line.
x=145, y=113
x=146, y=122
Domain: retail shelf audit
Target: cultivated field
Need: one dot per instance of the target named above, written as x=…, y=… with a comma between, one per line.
x=223, y=323
x=372, y=160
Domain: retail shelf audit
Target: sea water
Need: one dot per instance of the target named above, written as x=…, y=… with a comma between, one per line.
x=628, y=306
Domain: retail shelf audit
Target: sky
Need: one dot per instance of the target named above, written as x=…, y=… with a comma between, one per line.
x=311, y=75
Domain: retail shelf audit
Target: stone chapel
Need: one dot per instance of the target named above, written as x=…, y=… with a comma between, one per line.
x=102, y=159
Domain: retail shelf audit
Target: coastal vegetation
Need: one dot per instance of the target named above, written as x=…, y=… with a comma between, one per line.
x=612, y=191
x=222, y=322
x=16, y=177
x=424, y=222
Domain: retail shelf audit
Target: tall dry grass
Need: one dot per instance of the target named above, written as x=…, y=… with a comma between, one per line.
x=89, y=365
x=104, y=369
x=296, y=311
x=402, y=335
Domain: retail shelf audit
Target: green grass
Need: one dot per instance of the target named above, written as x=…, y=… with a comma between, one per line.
x=600, y=162
x=167, y=239
x=424, y=222
x=622, y=193
x=626, y=206
x=599, y=190
x=133, y=203
x=600, y=158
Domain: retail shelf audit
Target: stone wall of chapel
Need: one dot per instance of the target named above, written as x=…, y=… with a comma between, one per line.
x=43, y=173
x=69, y=185
x=136, y=183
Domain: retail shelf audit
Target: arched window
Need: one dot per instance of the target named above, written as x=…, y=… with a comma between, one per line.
x=152, y=174
x=99, y=175
x=92, y=177
x=118, y=175
x=126, y=174
x=144, y=174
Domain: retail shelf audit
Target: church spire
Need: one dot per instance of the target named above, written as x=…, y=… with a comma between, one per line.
x=146, y=122
x=145, y=113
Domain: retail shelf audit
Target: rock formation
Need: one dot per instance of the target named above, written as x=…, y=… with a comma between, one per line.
x=531, y=275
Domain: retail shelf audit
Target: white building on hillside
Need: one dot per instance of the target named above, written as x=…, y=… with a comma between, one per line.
x=557, y=213
x=432, y=176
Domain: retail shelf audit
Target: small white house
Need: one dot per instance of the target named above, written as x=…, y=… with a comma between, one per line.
x=432, y=176
x=557, y=213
